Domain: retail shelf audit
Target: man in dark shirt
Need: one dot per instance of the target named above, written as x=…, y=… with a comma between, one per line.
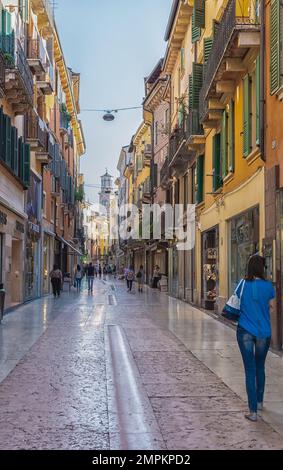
x=90, y=276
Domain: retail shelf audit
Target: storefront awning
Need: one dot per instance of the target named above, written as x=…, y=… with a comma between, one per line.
x=75, y=250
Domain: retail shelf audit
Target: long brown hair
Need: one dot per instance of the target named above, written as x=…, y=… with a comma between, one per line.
x=256, y=266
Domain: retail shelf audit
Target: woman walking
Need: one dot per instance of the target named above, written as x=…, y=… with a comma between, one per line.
x=78, y=277
x=130, y=278
x=140, y=278
x=56, y=277
x=254, y=331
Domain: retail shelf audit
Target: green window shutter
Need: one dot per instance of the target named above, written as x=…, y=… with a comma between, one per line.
x=197, y=77
x=196, y=34
x=26, y=164
x=231, y=137
x=257, y=85
x=207, y=46
x=275, y=45
x=8, y=137
x=24, y=10
x=217, y=180
x=199, y=14
x=20, y=158
x=14, y=151
x=190, y=92
x=247, y=117
x=224, y=160
x=200, y=179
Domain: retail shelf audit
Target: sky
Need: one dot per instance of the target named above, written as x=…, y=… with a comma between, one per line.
x=114, y=44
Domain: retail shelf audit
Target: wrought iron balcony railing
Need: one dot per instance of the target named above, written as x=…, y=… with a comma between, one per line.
x=176, y=140
x=36, y=131
x=236, y=18
x=194, y=126
x=165, y=174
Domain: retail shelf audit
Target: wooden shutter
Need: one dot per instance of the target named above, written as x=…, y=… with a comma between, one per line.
x=207, y=46
x=8, y=137
x=14, y=150
x=26, y=164
x=247, y=117
x=190, y=92
x=20, y=158
x=224, y=160
x=217, y=180
x=197, y=84
x=199, y=14
x=275, y=45
x=257, y=85
x=200, y=175
x=182, y=59
x=196, y=34
x=231, y=137
x=16, y=153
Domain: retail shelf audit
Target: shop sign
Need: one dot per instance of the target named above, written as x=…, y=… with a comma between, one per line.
x=33, y=228
x=3, y=218
x=20, y=227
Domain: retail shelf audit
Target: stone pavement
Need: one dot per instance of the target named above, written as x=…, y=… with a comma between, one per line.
x=127, y=371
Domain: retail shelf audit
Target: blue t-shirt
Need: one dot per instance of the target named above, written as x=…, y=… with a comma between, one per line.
x=255, y=316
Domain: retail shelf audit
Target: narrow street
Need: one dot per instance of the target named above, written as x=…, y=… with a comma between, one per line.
x=115, y=370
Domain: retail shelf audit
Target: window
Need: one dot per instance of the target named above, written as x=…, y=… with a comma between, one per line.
x=198, y=19
x=218, y=139
x=247, y=139
x=200, y=179
x=228, y=140
x=52, y=218
x=275, y=46
x=193, y=185
x=182, y=59
x=185, y=191
x=44, y=203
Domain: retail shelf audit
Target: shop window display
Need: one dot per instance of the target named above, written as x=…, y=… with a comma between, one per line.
x=210, y=268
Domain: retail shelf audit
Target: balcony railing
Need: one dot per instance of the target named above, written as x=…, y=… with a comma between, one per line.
x=15, y=59
x=194, y=126
x=36, y=131
x=165, y=174
x=236, y=18
x=176, y=140
x=37, y=55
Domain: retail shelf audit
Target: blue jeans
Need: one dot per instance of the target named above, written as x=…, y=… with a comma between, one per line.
x=254, y=351
x=90, y=280
x=79, y=283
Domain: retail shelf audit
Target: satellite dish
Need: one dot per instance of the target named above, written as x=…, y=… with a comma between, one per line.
x=108, y=117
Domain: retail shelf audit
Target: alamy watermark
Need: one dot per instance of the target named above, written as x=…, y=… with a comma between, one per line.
x=146, y=222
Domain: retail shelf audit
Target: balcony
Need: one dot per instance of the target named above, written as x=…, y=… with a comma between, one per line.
x=146, y=194
x=147, y=154
x=46, y=83
x=44, y=11
x=177, y=147
x=195, y=133
x=165, y=174
x=36, y=132
x=37, y=57
x=238, y=34
x=65, y=119
x=18, y=80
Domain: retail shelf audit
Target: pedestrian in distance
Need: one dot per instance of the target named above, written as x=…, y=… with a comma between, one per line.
x=140, y=278
x=130, y=278
x=100, y=271
x=78, y=277
x=254, y=331
x=156, y=277
x=90, y=277
x=56, y=278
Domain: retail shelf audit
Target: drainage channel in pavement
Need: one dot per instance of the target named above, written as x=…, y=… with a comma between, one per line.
x=132, y=424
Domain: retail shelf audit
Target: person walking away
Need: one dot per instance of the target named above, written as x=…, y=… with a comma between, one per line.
x=140, y=278
x=156, y=277
x=104, y=272
x=130, y=278
x=56, y=278
x=78, y=277
x=254, y=331
x=90, y=277
x=114, y=271
x=100, y=271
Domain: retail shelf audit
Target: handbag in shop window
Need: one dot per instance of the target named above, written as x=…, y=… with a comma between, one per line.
x=232, y=309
